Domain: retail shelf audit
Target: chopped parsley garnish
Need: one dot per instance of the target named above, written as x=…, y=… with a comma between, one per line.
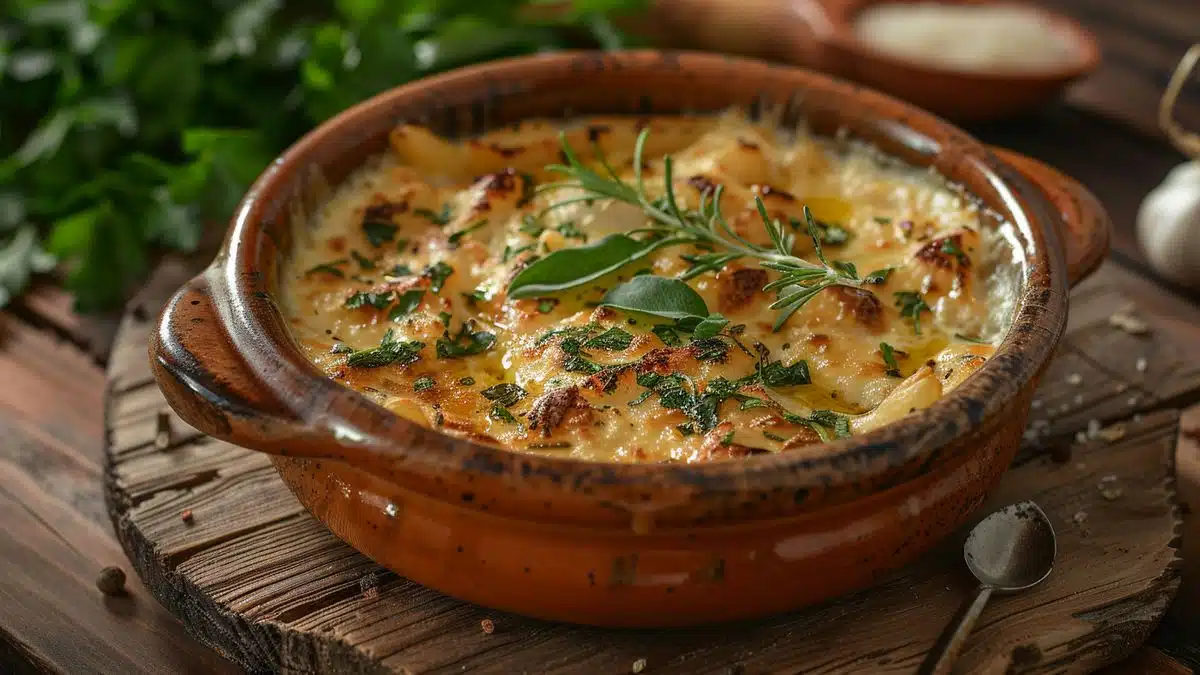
x=889, y=360
x=499, y=412
x=950, y=247
x=828, y=424
x=775, y=374
x=510, y=252
x=444, y=317
x=883, y=220
x=611, y=340
x=439, y=219
x=774, y=437
x=466, y=342
x=363, y=261
x=878, y=277
x=505, y=393
x=341, y=348
x=547, y=305
x=477, y=295
x=401, y=244
x=456, y=238
x=911, y=304
x=580, y=333
x=678, y=392
x=369, y=299
x=727, y=439
x=400, y=270
x=406, y=303
x=423, y=383
x=467, y=381
x=570, y=230
x=390, y=351
x=578, y=363
x=972, y=338
x=328, y=268
x=437, y=274
x=379, y=232
x=667, y=334
x=711, y=350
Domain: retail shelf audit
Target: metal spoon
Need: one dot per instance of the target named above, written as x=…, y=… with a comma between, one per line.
x=1009, y=551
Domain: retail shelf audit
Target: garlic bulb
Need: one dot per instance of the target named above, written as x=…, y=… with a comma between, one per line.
x=1168, y=225
x=1168, y=222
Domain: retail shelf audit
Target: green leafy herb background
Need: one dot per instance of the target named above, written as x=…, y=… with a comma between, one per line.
x=126, y=126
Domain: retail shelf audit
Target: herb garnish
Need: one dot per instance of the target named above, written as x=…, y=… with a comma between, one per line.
x=830, y=234
x=882, y=220
x=499, y=412
x=363, y=261
x=437, y=274
x=406, y=303
x=379, y=232
x=439, y=219
x=423, y=383
x=546, y=305
x=505, y=393
x=369, y=299
x=950, y=247
x=328, y=268
x=667, y=334
x=972, y=338
x=911, y=305
x=532, y=226
x=390, y=351
x=828, y=424
x=672, y=224
x=510, y=252
x=456, y=238
x=775, y=374
x=467, y=381
x=889, y=360
x=570, y=230
x=611, y=340
x=341, y=348
x=466, y=342
x=709, y=327
x=878, y=277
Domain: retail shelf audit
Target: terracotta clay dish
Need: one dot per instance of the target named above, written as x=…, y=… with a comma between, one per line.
x=820, y=34
x=605, y=543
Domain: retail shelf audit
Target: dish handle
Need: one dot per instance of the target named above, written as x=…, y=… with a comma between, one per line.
x=205, y=380
x=1083, y=223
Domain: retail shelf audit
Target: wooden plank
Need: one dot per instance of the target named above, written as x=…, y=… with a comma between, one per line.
x=50, y=307
x=258, y=576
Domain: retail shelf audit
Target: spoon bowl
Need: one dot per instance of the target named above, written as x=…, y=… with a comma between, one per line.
x=1012, y=549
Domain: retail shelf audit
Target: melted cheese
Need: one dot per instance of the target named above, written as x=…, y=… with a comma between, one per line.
x=469, y=204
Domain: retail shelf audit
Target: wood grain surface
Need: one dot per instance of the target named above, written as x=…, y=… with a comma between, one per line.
x=262, y=581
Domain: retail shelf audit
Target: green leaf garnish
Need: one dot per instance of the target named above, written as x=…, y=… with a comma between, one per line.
x=369, y=299
x=505, y=393
x=878, y=277
x=972, y=338
x=364, y=263
x=437, y=274
x=456, y=238
x=775, y=374
x=889, y=360
x=709, y=327
x=657, y=296
x=466, y=342
x=423, y=383
x=611, y=340
x=667, y=334
x=437, y=218
x=911, y=304
x=390, y=351
x=406, y=303
x=378, y=232
x=328, y=268
x=572, y=267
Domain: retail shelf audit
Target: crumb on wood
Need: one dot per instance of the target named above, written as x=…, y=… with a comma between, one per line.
x=1141, y=364
x=368, y=585
x=488, y=626
x=1112, y=433
x=639, y=665
x=1080, y=517
x=1123, y=320
x=111, y=581
x=187, y=516
x=1110, y=488
x=1074, y=379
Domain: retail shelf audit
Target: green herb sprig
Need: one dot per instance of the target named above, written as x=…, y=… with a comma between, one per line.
x=672, y=224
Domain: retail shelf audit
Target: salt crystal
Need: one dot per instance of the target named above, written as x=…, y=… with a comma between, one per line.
x=1093, y=428
x=1037, y=403
x=1132, y=400
x=1140, y=364
x=1075, y=379
x=1128, y=323
x=639, y=665
x=1080, y=437
x=1079, y=517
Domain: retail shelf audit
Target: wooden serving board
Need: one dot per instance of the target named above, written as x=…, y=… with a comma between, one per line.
x=221, y=542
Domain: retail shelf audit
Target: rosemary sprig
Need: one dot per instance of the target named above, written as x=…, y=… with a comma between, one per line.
x=671, y=223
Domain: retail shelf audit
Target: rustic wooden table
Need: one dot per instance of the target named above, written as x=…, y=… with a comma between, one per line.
x=56, y=534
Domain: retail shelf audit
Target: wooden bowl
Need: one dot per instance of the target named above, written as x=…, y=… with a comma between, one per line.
x=602, y=543
x=820, y=34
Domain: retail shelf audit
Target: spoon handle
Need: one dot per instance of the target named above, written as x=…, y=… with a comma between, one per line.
x=941, y=658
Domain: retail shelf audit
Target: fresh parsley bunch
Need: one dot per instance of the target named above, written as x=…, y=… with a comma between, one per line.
x=127, y=125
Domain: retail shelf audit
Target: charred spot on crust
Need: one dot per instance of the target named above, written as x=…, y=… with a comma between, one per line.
x=944, y=252
x=703, y=184
x=863, y=305
x=381, y=210
x=747, y=145
x=550, y=409
x=738, y=286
